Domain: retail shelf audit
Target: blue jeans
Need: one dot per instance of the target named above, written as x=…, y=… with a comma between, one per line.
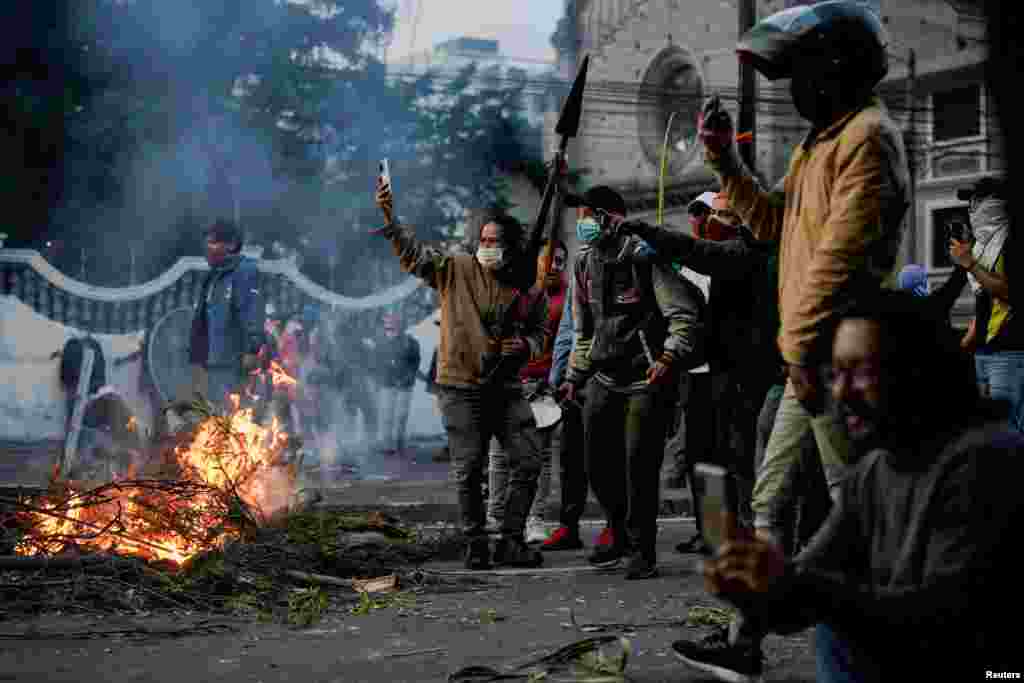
x=1001, y=377
x=837, y=660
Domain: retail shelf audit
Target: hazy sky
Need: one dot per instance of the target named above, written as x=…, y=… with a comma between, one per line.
x=523, y=26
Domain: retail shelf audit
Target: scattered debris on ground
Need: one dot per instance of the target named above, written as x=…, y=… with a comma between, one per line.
x=212, y=525
x=705, y=615
x=602, y=659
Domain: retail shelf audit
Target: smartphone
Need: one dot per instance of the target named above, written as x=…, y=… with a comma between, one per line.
x=718, y=503
x=385, y=171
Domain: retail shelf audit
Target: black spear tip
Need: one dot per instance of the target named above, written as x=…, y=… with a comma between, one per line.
x=569, y=121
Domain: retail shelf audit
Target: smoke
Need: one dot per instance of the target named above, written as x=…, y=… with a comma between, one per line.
x=196, y=110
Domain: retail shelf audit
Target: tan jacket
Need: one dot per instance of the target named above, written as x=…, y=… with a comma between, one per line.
x=476, y=310
x=845, y=197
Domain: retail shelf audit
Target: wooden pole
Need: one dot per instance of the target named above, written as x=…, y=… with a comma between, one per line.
x=747, y=122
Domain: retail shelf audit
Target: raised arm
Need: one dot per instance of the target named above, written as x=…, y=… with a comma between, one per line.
x=731, y=259
x=426, y=262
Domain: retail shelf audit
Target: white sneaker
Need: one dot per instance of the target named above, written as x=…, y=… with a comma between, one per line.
x=536, y=530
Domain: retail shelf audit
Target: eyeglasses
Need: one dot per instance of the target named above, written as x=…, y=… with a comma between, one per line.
x=860, y=377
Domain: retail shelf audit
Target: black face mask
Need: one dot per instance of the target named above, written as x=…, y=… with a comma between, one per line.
x=813, y=101
x=822, y=101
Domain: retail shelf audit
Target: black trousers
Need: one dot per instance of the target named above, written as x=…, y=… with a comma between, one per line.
x=471, y=418
x=572, y=467
x=624, y=444
x=720, y=417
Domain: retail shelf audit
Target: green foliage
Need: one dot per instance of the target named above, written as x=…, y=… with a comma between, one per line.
x=382, y=601
x=306, y=606
x=704, y=615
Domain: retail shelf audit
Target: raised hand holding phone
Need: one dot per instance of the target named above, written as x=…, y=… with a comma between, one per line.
x=384, y=197
x=718, y=505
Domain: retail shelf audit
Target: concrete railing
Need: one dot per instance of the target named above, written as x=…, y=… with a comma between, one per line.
x=29, y=277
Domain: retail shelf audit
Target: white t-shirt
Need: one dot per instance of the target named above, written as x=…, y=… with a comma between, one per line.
x=704, y=283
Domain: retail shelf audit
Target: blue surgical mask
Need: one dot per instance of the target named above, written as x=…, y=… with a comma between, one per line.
x=587, y=230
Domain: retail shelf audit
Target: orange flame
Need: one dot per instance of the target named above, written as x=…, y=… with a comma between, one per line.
x=237, y=458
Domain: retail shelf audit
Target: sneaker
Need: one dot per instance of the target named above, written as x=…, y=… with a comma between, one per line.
x=536, y=530
x=478, y=554
x=695, y=545
x=607, y=556
x=642, y=566
x=513, y=552
x=563, y=538
x=714, y=655
x=606, y=537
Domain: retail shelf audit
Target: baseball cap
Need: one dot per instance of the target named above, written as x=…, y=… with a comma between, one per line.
x=599, y=197
x=986, y=187
x=705, y=198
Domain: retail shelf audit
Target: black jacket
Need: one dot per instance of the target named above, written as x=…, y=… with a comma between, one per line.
x=743, y=317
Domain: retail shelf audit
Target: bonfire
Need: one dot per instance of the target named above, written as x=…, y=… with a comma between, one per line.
x=231, y=476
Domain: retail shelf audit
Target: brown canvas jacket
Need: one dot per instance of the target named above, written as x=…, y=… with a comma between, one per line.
x=475, y=309
x=840, y=225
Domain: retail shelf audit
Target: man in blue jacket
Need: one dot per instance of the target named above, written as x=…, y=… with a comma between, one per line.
x=227, y=327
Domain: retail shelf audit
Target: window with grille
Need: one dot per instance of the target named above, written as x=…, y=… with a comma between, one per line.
x=956, y=113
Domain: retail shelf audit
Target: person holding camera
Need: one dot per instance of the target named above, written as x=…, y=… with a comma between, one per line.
x=638, y=325
x=900, y=581
x=488, y=332
x=996, y=335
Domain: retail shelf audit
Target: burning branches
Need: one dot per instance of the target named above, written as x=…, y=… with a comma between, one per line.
x=231, y=477
x=202, y=531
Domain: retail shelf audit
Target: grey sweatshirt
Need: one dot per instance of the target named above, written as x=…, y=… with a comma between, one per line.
x=916, y=556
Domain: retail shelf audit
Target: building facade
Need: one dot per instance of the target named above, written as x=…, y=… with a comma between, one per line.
x=653, y=61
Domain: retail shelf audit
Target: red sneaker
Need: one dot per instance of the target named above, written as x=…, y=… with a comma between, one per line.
x=562, y=538
x=605, y=537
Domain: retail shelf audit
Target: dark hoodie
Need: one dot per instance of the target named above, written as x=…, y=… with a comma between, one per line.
x=916, y=557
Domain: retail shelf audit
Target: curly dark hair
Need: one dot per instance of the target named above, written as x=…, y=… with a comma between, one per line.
x=513, y=234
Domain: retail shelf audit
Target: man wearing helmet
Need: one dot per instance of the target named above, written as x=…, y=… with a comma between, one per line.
x=839, y=222
x=845, y=195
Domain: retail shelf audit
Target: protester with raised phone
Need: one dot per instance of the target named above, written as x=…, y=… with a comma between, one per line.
x=996, y=335
x=838, y=224
x=901, y=580
x=488, y=331
x=845, y=196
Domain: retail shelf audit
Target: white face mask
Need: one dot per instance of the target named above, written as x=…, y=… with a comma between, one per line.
x=490, y=257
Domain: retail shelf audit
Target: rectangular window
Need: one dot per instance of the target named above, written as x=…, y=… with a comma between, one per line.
x=941, y=220
x=956, y=113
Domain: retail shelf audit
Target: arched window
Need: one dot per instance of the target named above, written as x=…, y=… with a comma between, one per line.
x=671, y=84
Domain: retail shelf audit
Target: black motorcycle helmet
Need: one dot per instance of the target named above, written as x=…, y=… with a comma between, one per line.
x=843, y=40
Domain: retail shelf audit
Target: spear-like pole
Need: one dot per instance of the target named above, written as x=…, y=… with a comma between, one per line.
x=568, y=126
